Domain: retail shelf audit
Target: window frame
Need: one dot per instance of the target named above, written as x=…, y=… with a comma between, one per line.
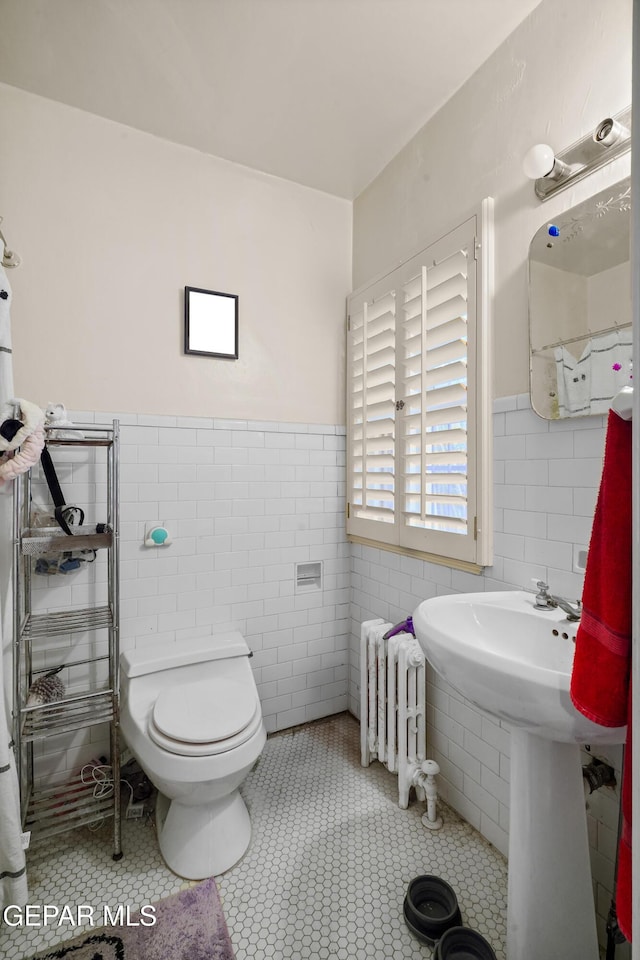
x=473, y=549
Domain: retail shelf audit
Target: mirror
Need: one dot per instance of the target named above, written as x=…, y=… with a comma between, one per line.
x=210, y=323
x=580, y=307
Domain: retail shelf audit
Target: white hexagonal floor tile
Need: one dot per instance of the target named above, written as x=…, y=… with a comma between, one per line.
x=325, y=874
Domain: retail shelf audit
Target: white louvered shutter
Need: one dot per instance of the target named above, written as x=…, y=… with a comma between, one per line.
x=418, y=451
x=436, y=385
x=372, y=410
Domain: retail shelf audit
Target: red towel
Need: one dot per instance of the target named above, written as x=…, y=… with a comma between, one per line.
x=600, y=682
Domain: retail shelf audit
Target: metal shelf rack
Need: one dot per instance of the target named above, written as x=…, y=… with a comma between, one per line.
x=52, y=810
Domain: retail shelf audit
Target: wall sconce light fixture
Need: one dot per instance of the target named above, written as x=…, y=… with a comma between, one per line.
x=551, y=172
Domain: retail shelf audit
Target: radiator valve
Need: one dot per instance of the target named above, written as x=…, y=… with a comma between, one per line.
x=425, y=777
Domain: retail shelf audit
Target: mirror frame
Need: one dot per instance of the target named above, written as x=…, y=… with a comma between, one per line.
x=226, y=355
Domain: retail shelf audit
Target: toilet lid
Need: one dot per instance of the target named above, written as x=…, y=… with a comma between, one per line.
x=205, y=711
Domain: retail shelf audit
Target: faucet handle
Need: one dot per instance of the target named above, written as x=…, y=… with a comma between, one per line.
x=540, y=584
x=543, y=599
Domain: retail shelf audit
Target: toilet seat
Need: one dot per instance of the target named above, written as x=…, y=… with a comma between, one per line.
x=205, y=717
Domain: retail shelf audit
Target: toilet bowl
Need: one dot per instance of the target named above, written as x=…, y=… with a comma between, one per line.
x=191, y=716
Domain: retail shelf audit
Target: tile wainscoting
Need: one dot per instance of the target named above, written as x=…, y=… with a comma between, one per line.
x=244, y=502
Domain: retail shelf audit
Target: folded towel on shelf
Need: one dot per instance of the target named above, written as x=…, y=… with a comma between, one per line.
x=601, y=677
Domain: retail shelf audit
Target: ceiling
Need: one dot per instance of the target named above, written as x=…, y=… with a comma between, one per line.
x=321, y=92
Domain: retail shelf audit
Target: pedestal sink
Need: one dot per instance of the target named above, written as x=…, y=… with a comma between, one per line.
x=514, y=661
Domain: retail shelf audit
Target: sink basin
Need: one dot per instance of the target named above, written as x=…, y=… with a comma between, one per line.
x=511, y=659
x=514, y=661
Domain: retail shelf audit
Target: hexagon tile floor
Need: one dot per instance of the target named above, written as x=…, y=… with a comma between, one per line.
x=326, y=872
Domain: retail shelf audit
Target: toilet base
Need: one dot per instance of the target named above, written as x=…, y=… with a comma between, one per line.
x=199, y=842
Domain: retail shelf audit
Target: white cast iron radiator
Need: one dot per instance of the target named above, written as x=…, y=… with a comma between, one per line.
x=392, y=704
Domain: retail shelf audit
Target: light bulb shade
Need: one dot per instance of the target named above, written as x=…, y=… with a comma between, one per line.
x=539, y=161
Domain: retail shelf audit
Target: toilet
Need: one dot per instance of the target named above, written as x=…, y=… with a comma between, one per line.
x=191, y=716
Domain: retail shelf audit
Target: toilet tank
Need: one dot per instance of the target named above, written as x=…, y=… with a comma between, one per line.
x=169, y=656
x=148, y=671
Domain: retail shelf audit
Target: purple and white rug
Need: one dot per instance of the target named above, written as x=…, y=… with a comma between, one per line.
x=188, y=926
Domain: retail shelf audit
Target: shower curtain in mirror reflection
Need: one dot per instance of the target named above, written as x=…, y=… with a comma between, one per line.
x=587, y=384
x=13, y=871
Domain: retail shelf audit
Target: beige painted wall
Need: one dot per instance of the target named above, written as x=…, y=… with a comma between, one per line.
x=565, y=304
x=113, y=223
x=562, y=71
x=558, y=303
x=609, y=297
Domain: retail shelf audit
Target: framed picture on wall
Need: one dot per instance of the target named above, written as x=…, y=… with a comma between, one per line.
x=210, y=323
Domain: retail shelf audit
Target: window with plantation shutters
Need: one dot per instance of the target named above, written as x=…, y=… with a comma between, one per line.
x=418, y=406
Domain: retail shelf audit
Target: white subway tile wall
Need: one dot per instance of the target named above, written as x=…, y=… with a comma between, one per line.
x=546, y=478
x=244, y=502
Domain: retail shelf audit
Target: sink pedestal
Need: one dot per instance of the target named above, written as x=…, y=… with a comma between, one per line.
x=551, y=910
x=515, y=661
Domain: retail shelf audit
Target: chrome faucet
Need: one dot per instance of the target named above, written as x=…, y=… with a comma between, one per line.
x=548, y=601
